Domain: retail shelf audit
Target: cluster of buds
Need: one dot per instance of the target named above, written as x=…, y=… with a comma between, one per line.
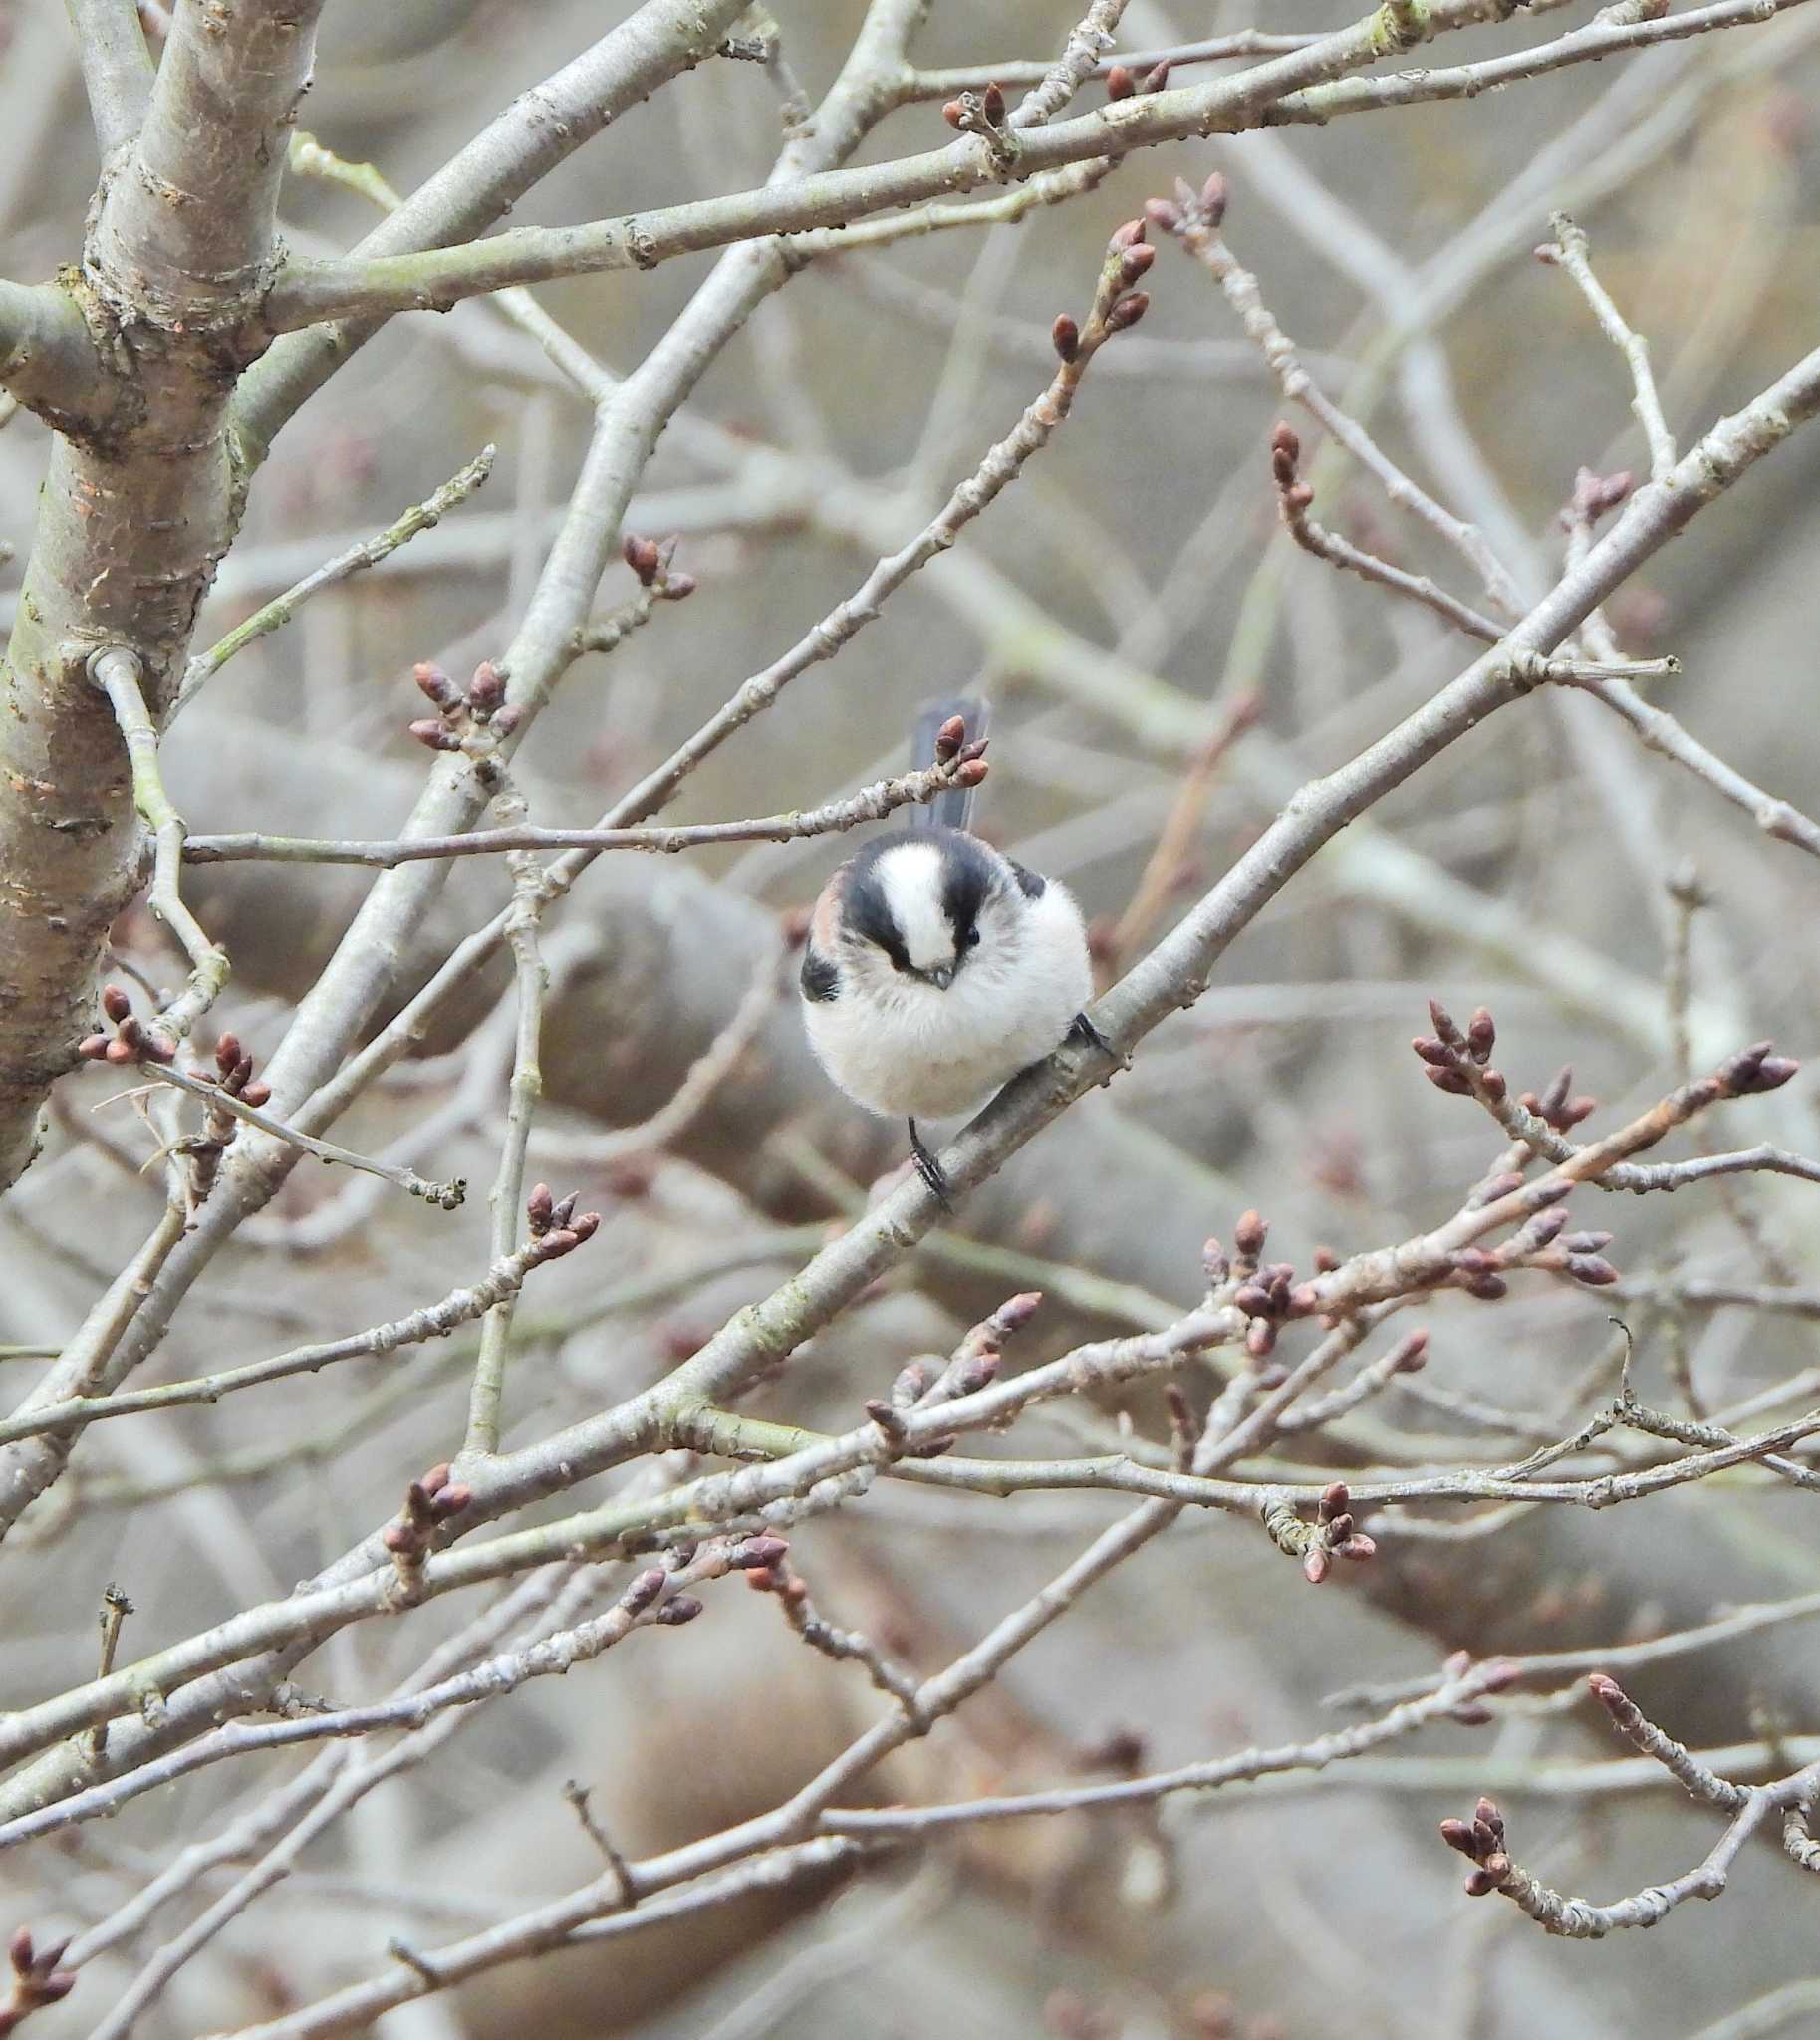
x=648, y=559
x=894, y=1432
x=1482, y=1839
x=762, y=1560
x=1496, y=1678
x=923, y=1383
x=1333, y=1534
x=473, y=719
x=1122, y=83
x=984, y=114
x=1267, y=1291
x=234, y=1073
x=555, y=1229
x=1459, y=1061
x=130, y=1042
x=429, y=1502
x=967, y=755
x=1595, y=496
x=1190, y=211
x=1116, y=303
x=1754, y=1069
x=37, y=1980
x=647, y=1599
x=234, y=1078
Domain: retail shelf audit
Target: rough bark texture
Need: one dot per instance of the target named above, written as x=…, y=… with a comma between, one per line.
x=140, y=503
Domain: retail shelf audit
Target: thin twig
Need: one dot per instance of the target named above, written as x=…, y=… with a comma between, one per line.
x=871, y=804
x=1569, y=252
x=368, y=553
x=117, y=673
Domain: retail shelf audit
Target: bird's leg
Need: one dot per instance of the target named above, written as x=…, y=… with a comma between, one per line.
x=1082, y=1030
x=929, y=1170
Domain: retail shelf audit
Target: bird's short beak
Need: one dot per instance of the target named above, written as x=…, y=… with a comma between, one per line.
x=942, y=978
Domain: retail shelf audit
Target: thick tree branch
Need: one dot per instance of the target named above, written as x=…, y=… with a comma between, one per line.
x=541, y=128
x=138, y=505
x=307, y=294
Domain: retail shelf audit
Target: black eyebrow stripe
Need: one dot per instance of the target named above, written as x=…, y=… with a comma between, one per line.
x=869, y=913
x=967, y=872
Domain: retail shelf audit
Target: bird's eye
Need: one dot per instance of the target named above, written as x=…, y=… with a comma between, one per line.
x=971, y=940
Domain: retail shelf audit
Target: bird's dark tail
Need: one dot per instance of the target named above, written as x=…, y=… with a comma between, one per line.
x=952, y=809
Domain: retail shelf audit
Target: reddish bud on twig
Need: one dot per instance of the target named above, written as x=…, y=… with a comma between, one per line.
x=1213, y=197
x=1163, y=213
x=1156, y=77
x=1249, y=1235
x=1481, y=1036
x=1125, y=314
x=1449, y=1080
x=1315, y=1566
x=435, y=737
x=539, y=1208
x=115, y=1004
x=486, y=690
x=1119, y=83
x=1410, y=1355
x=1590, y=1270
x=1125, y=235
x=644, y=1589
x=437, y=684
x=1135, y=263
x=642, y=555
x=992, y=102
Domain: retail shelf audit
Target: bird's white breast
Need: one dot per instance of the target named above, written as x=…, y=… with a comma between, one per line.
x=908, y=1050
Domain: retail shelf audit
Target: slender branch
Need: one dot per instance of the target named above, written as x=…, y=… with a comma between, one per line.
x=116, y=69
x=1623, y=28
x=1541, y=1665
x=933, y=83
x=871, y=804
x=117, y=673
x=1662, y=732
x=524, y=1089
x=308, y=292
x=368, y=553
x=1482, y=1839
x=430, y=1321
x=511, y=155
x=1197, y=220
x=446, y=1196
x=1569, y=252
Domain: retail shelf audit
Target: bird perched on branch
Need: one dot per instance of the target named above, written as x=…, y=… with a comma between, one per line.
x=936, y=967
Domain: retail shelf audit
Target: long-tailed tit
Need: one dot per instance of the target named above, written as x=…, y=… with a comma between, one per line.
x=936, y=968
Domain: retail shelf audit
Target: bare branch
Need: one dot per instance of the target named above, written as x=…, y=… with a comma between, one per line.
x=116, y=69
x=871, y=804
x=437, y=278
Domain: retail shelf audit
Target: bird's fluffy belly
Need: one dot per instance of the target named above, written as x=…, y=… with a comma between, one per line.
x=925, y=1053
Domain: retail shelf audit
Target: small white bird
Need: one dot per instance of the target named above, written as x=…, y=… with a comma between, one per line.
x=936, y=968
